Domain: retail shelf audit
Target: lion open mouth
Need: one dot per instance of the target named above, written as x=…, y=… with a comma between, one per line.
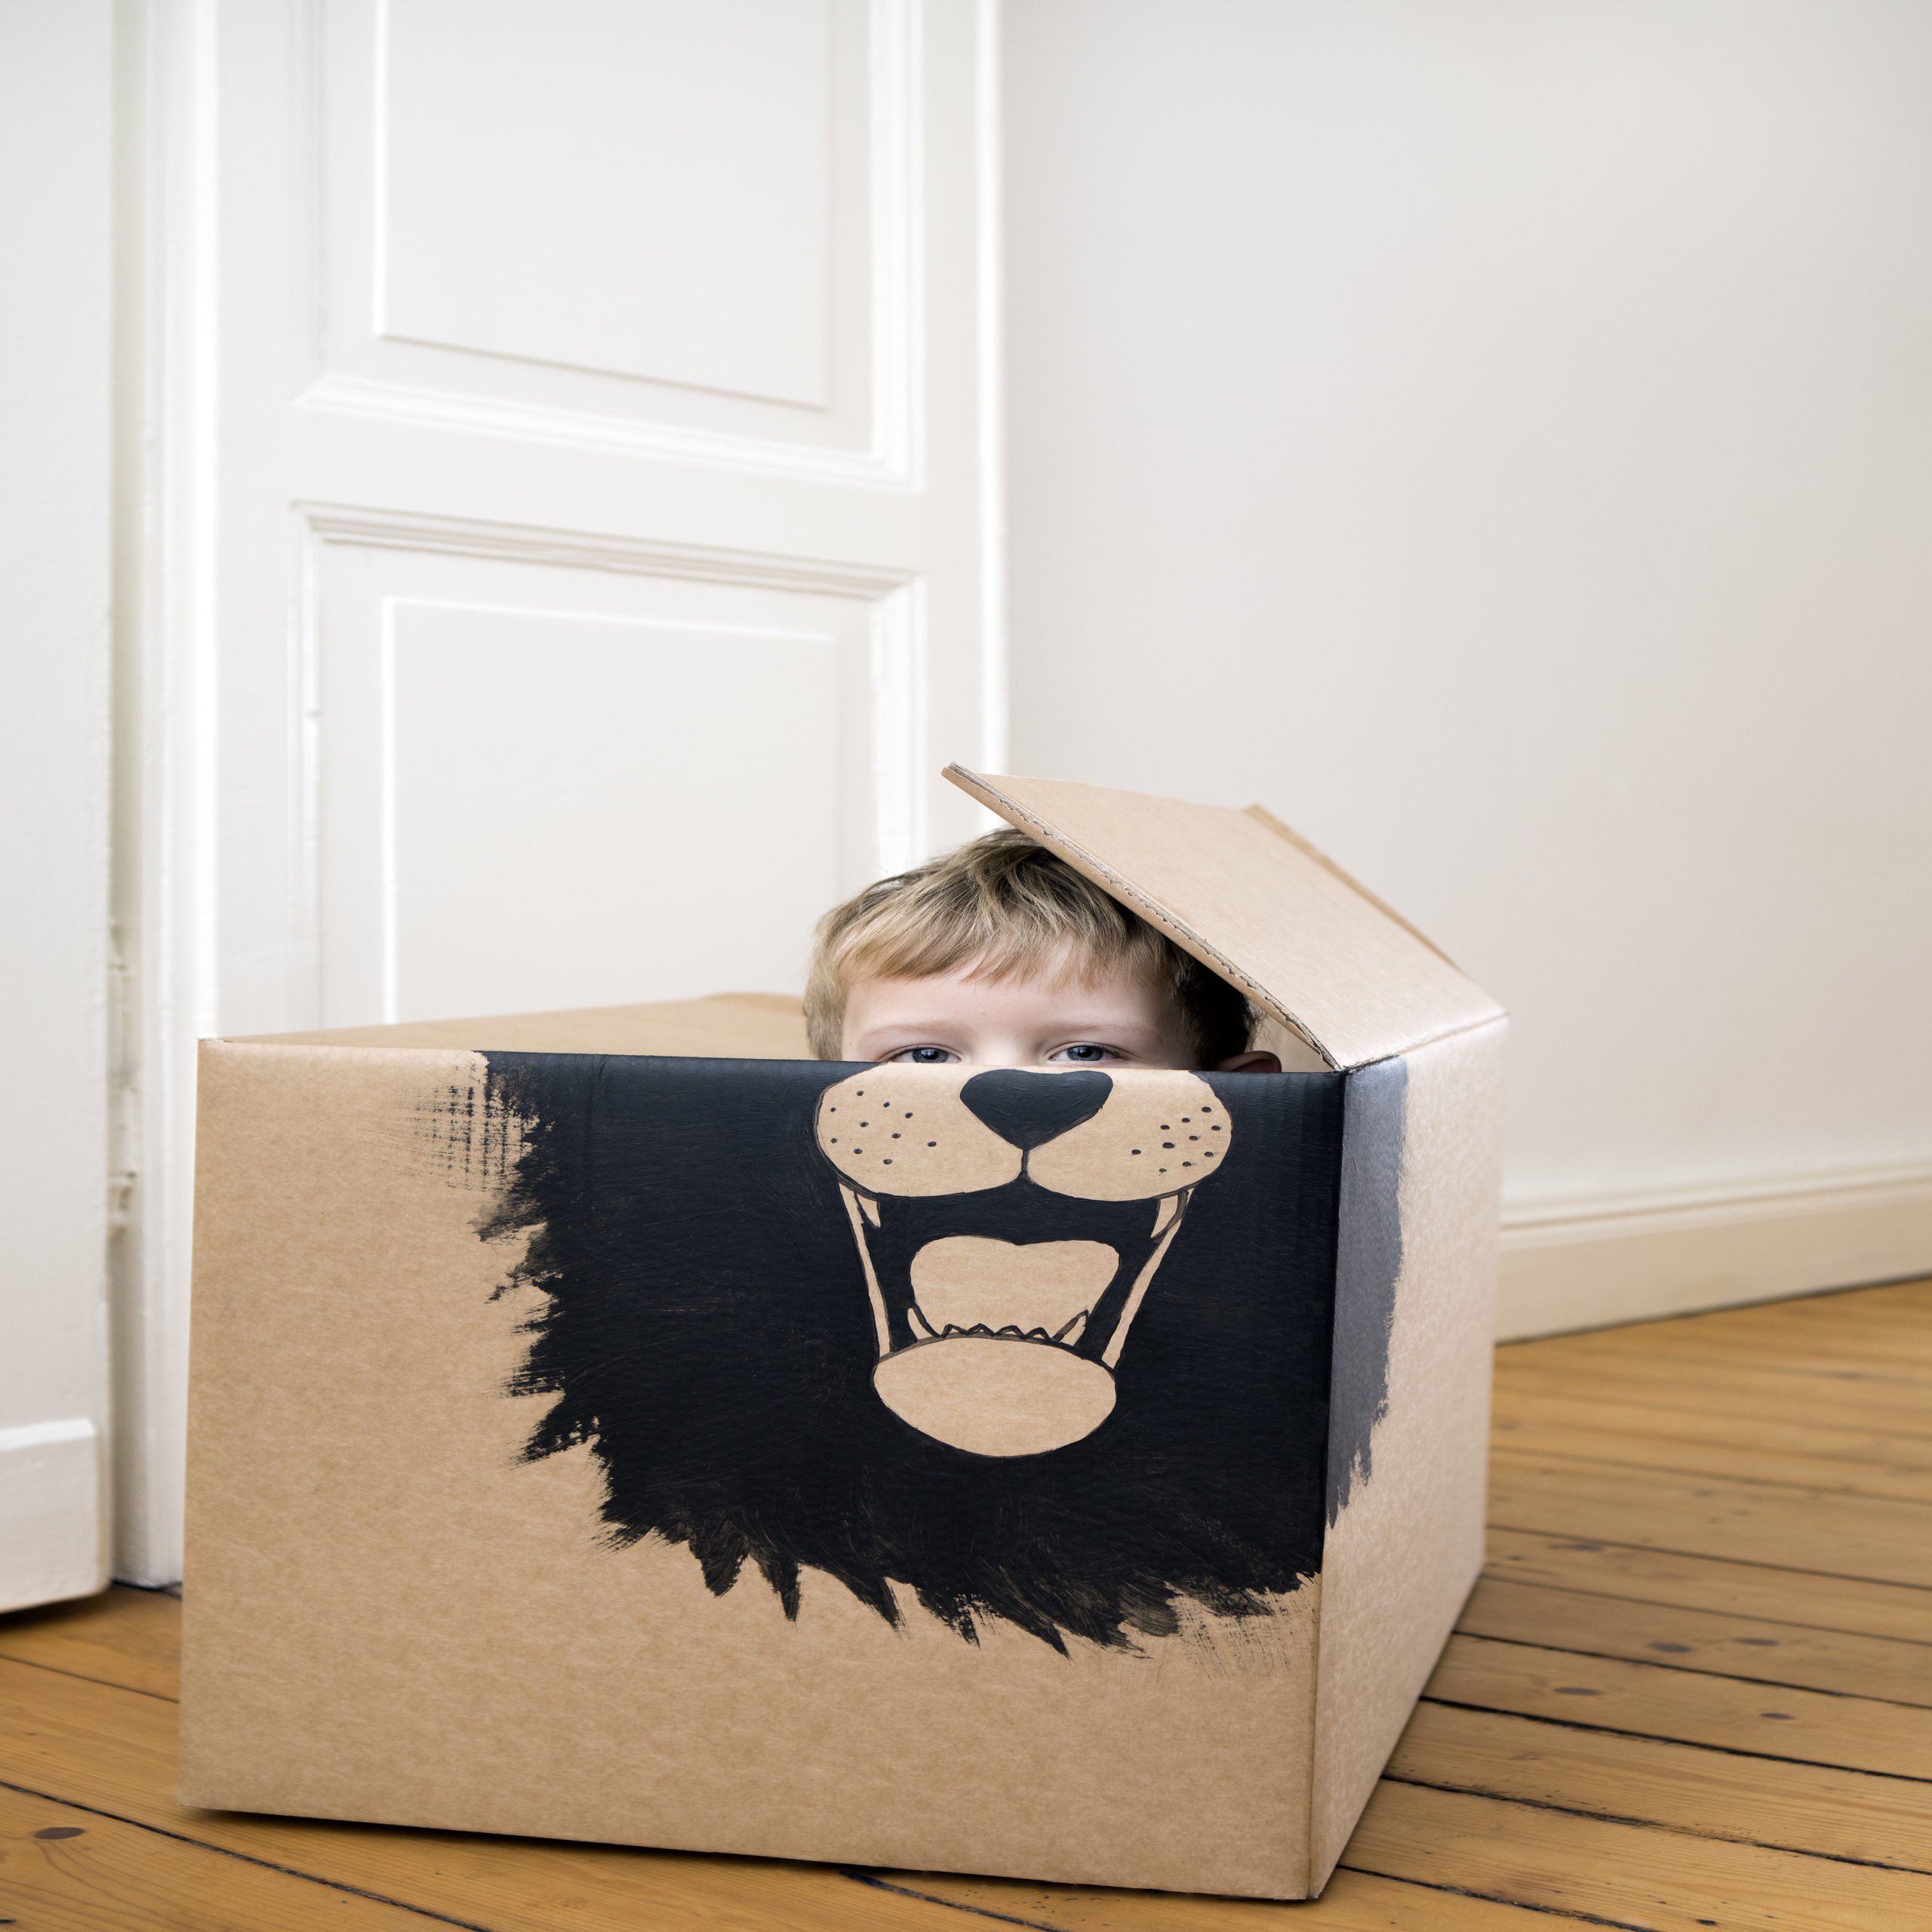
x=969, y=1284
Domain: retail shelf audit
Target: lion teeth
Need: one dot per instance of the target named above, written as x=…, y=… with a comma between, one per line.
x=923, y=1329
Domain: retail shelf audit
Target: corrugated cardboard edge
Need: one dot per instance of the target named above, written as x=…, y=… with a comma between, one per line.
x=1405, y=1549
x=1090, y=866
x=720, y=1027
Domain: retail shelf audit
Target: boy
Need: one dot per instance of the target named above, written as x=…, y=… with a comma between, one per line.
x=1000, y=954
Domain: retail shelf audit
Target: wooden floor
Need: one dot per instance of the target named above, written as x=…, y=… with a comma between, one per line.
x=1693, y=1689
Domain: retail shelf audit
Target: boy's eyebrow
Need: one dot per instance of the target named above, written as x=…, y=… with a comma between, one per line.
x=913, y=1034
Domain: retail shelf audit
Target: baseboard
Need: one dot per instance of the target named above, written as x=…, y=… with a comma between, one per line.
x=53, y=1544
x=1590, y=1264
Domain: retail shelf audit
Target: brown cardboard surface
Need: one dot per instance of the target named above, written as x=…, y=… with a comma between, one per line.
x=389, y=1615
x=1405, y=1549
x=724, y=1027
x=1260, y=906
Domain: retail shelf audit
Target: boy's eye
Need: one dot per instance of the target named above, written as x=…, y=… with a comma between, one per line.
x=1084, y=1052
x=924, y=1056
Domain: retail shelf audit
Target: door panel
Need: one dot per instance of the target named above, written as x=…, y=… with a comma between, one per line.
x=687, y=225
x=533, y=754
x=539, y=196
x=541, y=785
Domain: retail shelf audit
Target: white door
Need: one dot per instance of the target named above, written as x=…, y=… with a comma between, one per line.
x=571, y=567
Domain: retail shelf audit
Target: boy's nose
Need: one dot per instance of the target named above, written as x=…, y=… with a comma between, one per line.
x=1029, y=1109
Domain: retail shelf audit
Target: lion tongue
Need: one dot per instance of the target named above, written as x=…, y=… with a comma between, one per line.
x=1045, y=1290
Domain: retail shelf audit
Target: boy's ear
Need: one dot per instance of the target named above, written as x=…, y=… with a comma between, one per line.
x=1250, y=1063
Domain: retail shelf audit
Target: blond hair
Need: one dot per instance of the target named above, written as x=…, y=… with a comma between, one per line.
x=1006, y=908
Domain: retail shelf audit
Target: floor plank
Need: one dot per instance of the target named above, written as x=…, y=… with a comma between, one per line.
x=64, y=1870
x=1904, y=1306
x=1653, y=1430
x=1683, y=1787
x=1772, y=1594
x=1736, y=1359
x=1702, y=1640
x=1650, y=1700
x=1875, y=1363
x=1841, y=1536
x=1892, y=1334
x=128, y=1637
x=1668, y=1456
x=1634, y=1875
x=1765, y=1394
x=1837, y=1310
x=1855, y=1325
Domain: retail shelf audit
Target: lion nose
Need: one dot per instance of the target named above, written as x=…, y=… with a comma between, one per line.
x=1029, y=1109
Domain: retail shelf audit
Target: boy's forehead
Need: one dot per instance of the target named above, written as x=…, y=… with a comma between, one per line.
x=1066, y=975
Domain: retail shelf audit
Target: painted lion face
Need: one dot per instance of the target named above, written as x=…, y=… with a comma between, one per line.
x=1011, y=1223
x=981, y=1362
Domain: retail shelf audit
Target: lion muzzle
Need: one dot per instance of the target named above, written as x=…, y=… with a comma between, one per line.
x=998, y=1347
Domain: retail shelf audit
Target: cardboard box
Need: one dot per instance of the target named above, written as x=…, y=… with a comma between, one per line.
x=615, y=1426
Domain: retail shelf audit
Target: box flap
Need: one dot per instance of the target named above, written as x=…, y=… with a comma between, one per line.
x=1259, y=904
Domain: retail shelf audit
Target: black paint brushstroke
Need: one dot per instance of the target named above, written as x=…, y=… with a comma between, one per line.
x=1369, y=1260
x=708, y=1334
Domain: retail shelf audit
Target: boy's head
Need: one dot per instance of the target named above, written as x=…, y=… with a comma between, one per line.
x=1000, y=954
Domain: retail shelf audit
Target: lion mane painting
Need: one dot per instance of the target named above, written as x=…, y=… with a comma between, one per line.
x=1047, y=1348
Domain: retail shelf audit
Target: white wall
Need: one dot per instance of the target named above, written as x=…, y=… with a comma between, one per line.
x=1498, y=436
x=56, y=530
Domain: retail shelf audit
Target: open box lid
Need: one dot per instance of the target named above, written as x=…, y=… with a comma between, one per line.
x=1260, y=906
